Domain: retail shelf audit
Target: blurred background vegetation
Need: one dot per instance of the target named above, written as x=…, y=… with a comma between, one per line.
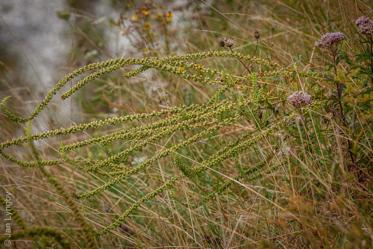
x=297, y=190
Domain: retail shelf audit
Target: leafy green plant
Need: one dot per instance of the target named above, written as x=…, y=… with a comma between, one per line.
x=258, y=98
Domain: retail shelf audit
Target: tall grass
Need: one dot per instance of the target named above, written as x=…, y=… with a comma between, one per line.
x=242, y=159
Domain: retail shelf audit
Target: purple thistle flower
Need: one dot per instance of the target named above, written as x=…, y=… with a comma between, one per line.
x=299, y=99
x=330, y=39
x=365, y=25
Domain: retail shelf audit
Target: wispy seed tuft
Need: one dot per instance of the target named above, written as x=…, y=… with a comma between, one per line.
x=226, y=42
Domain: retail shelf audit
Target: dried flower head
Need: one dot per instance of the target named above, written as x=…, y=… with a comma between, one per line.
x=226, y=42
x=299, y=99
x=365, y=25
x=257, y=35
x=330, y=39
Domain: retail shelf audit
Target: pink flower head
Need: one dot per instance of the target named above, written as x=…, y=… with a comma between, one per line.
x=365, y=25
x=330, y=39
x=299, y=99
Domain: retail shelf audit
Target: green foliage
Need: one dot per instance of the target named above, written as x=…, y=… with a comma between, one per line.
x=88, y=232
x=238, y=101
x=14, y=214
x=39, y=232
